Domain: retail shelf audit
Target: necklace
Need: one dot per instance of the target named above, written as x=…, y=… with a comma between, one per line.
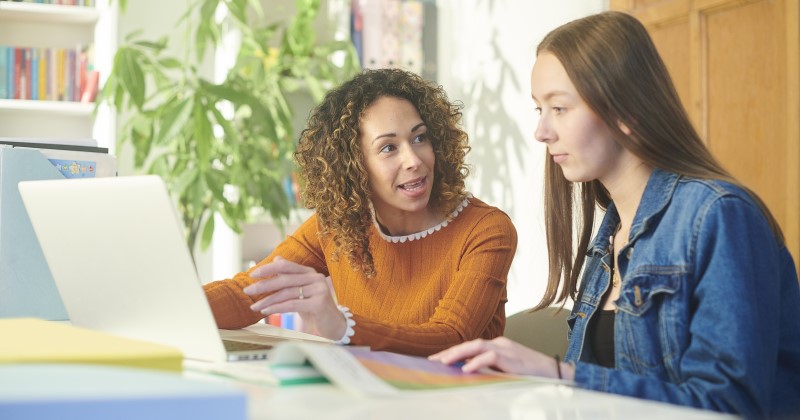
x=615, y=277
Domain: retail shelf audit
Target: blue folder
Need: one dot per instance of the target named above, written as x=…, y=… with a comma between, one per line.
x=89, y=392
x=26, y=285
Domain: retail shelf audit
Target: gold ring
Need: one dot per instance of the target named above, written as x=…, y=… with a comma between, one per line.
x=301, y=297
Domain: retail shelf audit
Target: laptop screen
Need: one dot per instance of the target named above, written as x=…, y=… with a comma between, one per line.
x=116, y=250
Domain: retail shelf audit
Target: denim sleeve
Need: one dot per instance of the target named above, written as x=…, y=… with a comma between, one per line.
x=730, y=361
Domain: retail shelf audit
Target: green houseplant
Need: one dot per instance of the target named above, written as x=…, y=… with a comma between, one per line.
x=223, y=148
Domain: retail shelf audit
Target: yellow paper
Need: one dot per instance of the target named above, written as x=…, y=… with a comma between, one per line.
x=30, y=340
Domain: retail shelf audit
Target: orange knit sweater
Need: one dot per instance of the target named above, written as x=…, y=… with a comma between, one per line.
x=428, y=294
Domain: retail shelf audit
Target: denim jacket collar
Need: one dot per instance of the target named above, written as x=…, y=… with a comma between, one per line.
x=657, y=194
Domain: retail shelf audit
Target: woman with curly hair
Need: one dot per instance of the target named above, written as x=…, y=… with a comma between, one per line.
x=398, y=255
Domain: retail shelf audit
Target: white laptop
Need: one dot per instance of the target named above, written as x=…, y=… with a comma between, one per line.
x=116, y=250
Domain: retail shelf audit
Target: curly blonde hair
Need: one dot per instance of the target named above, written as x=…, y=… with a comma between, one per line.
x=331, y=161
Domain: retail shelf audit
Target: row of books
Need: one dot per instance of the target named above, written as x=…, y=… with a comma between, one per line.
x=88, y=3
x=289, y=321
x=53, y=74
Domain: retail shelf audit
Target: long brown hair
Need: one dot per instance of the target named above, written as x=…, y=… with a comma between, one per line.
x=618, y=73
x=331, y=161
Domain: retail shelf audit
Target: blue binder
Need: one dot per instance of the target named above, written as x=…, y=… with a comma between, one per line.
x=26, y=286
x=91, y=392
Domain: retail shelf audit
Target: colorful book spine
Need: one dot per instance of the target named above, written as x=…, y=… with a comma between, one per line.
x=289, y=321
x=3, y=72
x=53, y=74
x=18, y=68
x=84, y=3
x=34, y=77
x=42, y=74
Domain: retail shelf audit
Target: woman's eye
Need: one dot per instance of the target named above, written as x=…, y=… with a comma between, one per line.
x=538, y=110
x=558, y=110
x=420, y=138
x=388, y=148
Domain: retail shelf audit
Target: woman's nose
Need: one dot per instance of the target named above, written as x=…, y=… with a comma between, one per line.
x=411, y=158
x=543, y=132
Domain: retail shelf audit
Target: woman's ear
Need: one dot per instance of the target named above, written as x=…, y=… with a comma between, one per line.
x=624, y=128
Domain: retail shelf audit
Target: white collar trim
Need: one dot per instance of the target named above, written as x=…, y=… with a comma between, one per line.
x=424, y=233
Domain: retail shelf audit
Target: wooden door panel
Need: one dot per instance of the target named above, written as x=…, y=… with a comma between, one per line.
x=746, y=79
x=735, y=66
x=672, y=41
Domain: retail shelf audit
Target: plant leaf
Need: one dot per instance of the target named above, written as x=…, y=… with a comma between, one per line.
x=182, y=182
x=130, y=74
x=170, y=63
x=203, y=135
x=174, y=120
x=208, y=232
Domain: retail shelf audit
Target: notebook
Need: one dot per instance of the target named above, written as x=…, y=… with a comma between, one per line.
x=116, y=250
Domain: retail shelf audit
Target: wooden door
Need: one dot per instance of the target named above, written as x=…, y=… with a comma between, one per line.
x=735, y=66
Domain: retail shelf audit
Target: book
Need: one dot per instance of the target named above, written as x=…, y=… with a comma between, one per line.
x=75, y=158
x=4, y=67
x=75, y=164
x=32, y=340
x=78, y=145
x=365, y=372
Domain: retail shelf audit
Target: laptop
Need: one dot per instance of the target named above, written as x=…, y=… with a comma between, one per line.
x=116, y=251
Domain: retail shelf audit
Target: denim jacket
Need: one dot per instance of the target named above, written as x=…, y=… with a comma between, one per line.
x=708, y=310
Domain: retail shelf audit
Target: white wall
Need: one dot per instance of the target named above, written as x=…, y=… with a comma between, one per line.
x=486, y=51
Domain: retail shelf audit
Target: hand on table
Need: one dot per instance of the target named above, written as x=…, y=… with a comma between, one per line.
x=504, y=355
x=296, y=288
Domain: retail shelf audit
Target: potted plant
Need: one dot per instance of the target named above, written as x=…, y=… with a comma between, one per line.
x=223, y=148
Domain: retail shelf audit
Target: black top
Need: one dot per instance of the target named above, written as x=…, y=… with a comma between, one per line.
x=601, y=338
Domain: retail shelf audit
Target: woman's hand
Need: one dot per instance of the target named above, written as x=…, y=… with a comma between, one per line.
x=296, y=288
x=504, y=355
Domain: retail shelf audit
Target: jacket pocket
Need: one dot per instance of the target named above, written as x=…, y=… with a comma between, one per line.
x=644, y=291
x=650, y=324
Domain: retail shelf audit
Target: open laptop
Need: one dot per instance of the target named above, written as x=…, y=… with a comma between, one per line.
x=116, y=250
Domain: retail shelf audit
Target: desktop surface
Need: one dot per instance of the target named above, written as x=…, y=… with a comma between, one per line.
x=535, y=402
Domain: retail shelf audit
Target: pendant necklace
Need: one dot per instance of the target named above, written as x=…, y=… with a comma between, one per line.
x=615, y=278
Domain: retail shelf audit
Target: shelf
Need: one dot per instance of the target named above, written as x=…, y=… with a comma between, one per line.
x=47, y=13
x=47, y=107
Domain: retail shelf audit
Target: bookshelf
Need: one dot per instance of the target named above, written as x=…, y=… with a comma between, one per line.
x=47, y=13
x=52, y=108
x=33, y=25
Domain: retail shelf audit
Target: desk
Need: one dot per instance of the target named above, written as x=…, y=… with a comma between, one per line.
x=526, y=402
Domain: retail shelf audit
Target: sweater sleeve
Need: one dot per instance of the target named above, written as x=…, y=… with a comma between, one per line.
x=231, y=306
x=473, y=305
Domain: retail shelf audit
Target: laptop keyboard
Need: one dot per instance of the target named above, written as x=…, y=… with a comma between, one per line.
x=231, y=345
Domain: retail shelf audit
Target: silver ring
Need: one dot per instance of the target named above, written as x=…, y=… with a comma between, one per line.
x=302, y=296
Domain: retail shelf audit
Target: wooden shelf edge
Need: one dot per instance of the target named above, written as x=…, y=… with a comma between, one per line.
x=48, y=107
x=47, y=13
